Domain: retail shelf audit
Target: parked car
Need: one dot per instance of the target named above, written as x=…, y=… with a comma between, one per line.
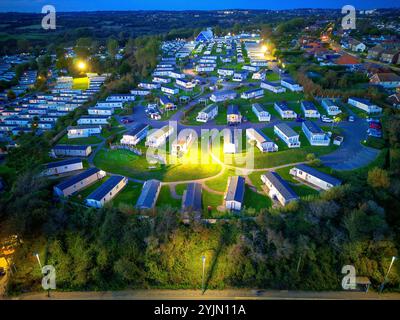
x=338, y=140
x=351, y=119
x=326, y=119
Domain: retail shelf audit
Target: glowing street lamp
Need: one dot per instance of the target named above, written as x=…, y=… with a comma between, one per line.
x=387, y=274
x=81, y=65
x=203, y=258
x=38, y=259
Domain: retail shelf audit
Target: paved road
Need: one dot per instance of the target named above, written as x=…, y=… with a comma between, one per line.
x=240, y=294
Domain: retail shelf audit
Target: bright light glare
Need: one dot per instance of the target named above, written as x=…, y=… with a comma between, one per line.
x=81, y=65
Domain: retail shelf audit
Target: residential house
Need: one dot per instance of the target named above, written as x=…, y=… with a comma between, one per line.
x=364, y=104
x=315, y=135
x=263, y=143
x=278, y=189
x=253, y=94
x=64, y=150
x=357, y=46
x=135, y=135
x=83, y=131
x=314, y=177
x=309, y=109
x=235, y=193
x=148, y=196
x=390, y=56
x=233, y=115
x=261, y=113
x=106, y=192
x=63, y=166
x=159, y=137
x=388, y=80
x=208, y=113
x=284, y=111
x=330, y=107
x=287, y=135
x=76, y=183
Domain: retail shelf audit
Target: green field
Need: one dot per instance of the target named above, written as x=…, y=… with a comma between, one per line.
x=128, y=164
x=129, y=195
x=165, y=198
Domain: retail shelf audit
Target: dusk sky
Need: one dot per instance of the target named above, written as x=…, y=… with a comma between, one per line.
x=93, y=5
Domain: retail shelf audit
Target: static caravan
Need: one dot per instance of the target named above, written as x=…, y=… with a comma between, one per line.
x=364, y=104
x=159, y=137
x=135, y=135
x=235, y=193
x=62, y=150
x=315, y=135
x=278, y=189
x=291, y=85
x=208, y=113
x=263, y=143
x=149, y=195
x=331, y=107
x=314, y=177
x=262, y=115
x=284, y=111
x=83, y=131
x=63, y=166
x=76, y=183
x=287, y=135
x=272, y=86
x=310, y=110
x=106, y=192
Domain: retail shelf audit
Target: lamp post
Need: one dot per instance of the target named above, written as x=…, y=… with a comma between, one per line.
x=387, y=274
x=38, y=260
x=203, y=258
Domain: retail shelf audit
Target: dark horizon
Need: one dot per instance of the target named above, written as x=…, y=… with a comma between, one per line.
x=28, y=6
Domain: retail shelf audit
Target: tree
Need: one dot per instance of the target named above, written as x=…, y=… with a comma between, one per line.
x=11, y=95
x=112, y=47
x=378, y=178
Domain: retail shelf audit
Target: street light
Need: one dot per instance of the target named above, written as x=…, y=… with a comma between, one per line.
x=81, y=65
x=38, y=260
x=387, y=274
x=203, y=258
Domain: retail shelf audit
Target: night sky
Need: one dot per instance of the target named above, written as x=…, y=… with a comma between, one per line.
x=93, y=5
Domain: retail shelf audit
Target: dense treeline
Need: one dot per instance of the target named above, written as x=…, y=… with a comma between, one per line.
x=301, y=246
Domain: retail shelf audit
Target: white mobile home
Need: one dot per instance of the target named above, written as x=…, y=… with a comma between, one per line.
x=159, y=137
x=278, y=189
x=208, y=113
x=235, y=193
x=64, y=150
x=135, y=135
x=272, y=86
x=106, y=192
x=148, y=197
x=221, y=96
x=63, y=166
x=291, y=85
x=83, y=131
x=263, y=143
x=331, y=107
x=288, y=135
x=314, y=177
x=93, y=119
x=284, y=111
x=364, y=104
x=315, y=135
x=262, y=115
x=310, y=110
x=253, y=94
x=79, y=182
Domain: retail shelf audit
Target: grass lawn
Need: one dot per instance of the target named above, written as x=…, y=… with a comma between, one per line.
x=221, y=116
x=165, y=198
x=272, y=77
x=180, y=188
x=213, y=201
x=131, y=165
x=255, y=200
x=80, y=141
x=220, y=183
x=129, y=195
x=80, y=83
x=304, y=191
x=108, y=132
